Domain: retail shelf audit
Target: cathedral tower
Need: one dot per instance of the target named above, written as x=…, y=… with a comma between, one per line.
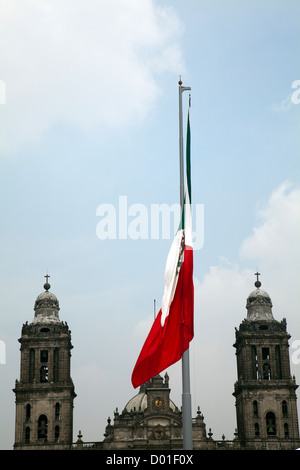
x=265, y=392
x=45, y=391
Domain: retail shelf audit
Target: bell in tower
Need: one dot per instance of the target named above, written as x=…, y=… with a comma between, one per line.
x=45, y=391
x=265, y=391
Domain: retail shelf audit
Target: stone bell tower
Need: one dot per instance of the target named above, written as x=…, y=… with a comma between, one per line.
x=265, y=392
x=45, y=392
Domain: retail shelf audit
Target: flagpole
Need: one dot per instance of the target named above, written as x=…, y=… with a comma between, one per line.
x=186, y=394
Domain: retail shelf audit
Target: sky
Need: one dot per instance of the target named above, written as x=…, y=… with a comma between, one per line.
x=89, y=122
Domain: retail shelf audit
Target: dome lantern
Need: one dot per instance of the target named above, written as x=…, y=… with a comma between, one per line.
x=46, y=306
x=259, y=304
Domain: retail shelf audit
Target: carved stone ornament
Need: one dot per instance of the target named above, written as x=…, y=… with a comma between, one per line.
x=159, y=432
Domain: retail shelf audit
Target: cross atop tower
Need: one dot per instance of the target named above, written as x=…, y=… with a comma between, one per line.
x=47, y=285
x=257, y=282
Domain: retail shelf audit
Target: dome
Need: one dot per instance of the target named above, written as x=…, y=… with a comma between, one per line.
x=260, y=296
x=259, y=305
x=46, y=307
x=139, y=403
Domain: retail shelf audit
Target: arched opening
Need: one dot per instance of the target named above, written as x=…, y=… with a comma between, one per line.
x=28, y=411
x=254, y=363
x=44, y=374
x=42, y=428
x=271, y=423
x=57, y=411
x=255, y=408
x=27, y=435
x=56, y=433
x=266, y=371
x=284, y=409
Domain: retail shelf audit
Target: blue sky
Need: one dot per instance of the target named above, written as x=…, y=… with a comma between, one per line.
x=91, y=114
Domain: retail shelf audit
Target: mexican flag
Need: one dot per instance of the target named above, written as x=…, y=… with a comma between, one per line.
x=173, y=328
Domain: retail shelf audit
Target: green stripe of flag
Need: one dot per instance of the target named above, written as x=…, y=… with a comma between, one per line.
x=188, y=169
x=188, y=156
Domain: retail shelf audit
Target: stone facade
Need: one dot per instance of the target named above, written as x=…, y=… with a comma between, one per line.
x=150, y=420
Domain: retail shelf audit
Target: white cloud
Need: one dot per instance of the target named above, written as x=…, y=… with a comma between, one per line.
x=275, y=241
x=273, y=246
x=88, y=64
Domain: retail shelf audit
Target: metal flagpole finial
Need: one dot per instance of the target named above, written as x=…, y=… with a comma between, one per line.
x=180, y=81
